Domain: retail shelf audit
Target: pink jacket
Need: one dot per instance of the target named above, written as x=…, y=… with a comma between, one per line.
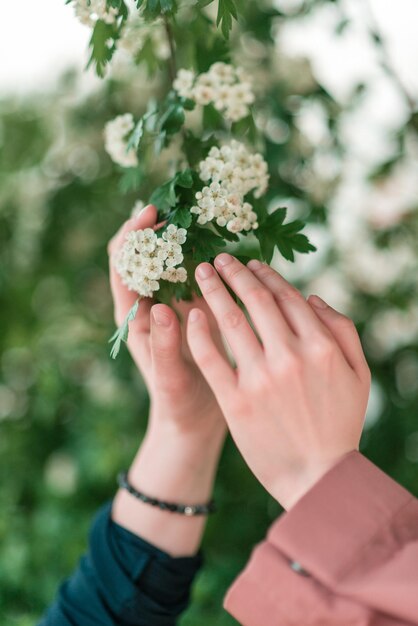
x=345, y=555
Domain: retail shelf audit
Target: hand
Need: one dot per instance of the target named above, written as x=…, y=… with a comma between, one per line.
x=178, y=457
x=181, y=400
x=296, y=402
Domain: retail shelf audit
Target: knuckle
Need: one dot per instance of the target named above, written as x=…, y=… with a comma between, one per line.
x=211, y=286
x=289, y=363
x=259, y=295
x=234, y=269
x=321, y=347
x=204, y=359
x=288, y=292
x=233, y=318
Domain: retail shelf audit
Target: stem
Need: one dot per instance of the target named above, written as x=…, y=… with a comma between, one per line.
x=172, y=66
x=385, y=59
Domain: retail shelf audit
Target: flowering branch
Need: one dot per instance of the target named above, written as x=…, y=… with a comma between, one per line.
x=217, y=200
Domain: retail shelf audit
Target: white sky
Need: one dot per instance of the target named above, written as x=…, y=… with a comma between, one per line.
x=39, y=39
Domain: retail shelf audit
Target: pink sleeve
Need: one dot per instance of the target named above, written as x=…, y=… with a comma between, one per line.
x=345, y=555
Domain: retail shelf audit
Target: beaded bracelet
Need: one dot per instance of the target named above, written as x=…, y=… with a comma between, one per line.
x=183, y=509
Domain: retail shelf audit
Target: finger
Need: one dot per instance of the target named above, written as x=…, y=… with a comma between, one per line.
x=219, y=375
x=166, y=353
x=231, y=320
x=259, y=301
x=344, y=332
x=295, y=309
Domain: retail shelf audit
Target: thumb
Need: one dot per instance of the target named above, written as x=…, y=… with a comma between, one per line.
x=344, y=332
x=166, y=349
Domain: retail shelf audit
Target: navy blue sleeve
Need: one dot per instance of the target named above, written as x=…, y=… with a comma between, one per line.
x=123, y=580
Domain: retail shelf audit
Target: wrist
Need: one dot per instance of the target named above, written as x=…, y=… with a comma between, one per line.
x=200, y=432
x=292, y=487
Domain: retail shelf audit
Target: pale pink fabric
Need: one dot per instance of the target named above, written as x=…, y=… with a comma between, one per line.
x=356, y=534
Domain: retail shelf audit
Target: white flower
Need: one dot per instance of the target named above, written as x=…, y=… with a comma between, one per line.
x=232, y=172
x=183, y=83
x=174, y=234
x=116, y=143
x=145, y=259
x=224, y=86
x=175, y=274
x=89, y=11
x=223, y=72
x=202, y=94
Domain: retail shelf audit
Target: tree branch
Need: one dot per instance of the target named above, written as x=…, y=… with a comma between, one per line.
x=172, y=66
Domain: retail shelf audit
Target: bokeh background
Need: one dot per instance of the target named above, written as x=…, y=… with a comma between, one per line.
x=337, y=89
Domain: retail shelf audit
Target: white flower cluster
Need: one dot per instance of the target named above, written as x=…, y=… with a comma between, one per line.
x=222, y=85
x=116, y=143
x=231, y=172
x=135, y=33
x=145, y=258
x=89, y=11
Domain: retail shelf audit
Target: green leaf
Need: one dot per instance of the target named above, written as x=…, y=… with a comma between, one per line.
x=181, y=217
x=151, y=9
x=227, y=11
x=212, y=119
x=286, y=237
x=204, y=244
x=147, y=56
x=136, y=136
x=173, y=119
x=101, y=51
x=121, y=333
x=164, y=197
x=225, y=233
x=131, y=179
x=184, y=179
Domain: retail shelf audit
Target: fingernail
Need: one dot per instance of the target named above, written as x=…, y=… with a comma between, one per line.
x=254, y=264
x=318, y=302
x=205, y=270
x=194, y=315
x=161, y=318
x=223, y=259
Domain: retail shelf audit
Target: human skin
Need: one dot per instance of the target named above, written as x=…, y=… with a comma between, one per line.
x=179, y=454
x=296, y=401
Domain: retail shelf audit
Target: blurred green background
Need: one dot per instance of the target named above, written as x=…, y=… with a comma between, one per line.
x=69, y=417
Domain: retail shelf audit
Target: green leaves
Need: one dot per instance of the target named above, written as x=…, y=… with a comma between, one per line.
x=102, y=45
x=165, y=197
x=136, y=136
x=122, y=332
x=131, y=179
x=286, y=237
x=151, y=9
x=227, y=11
x=172, y=119
x=204, y=244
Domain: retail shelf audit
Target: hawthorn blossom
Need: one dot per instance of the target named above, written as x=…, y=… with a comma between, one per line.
x=230, y=172
x=136, y=32
x=89, y=11
x=222, y=85
x=145, y=259
x=116, y=143
x=183, y=83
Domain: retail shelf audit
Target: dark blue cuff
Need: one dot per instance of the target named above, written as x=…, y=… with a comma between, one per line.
x=123, y=580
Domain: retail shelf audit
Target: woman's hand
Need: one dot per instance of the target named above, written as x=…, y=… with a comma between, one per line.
x=179, y=455
x=296, y=402
x=181, y=400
